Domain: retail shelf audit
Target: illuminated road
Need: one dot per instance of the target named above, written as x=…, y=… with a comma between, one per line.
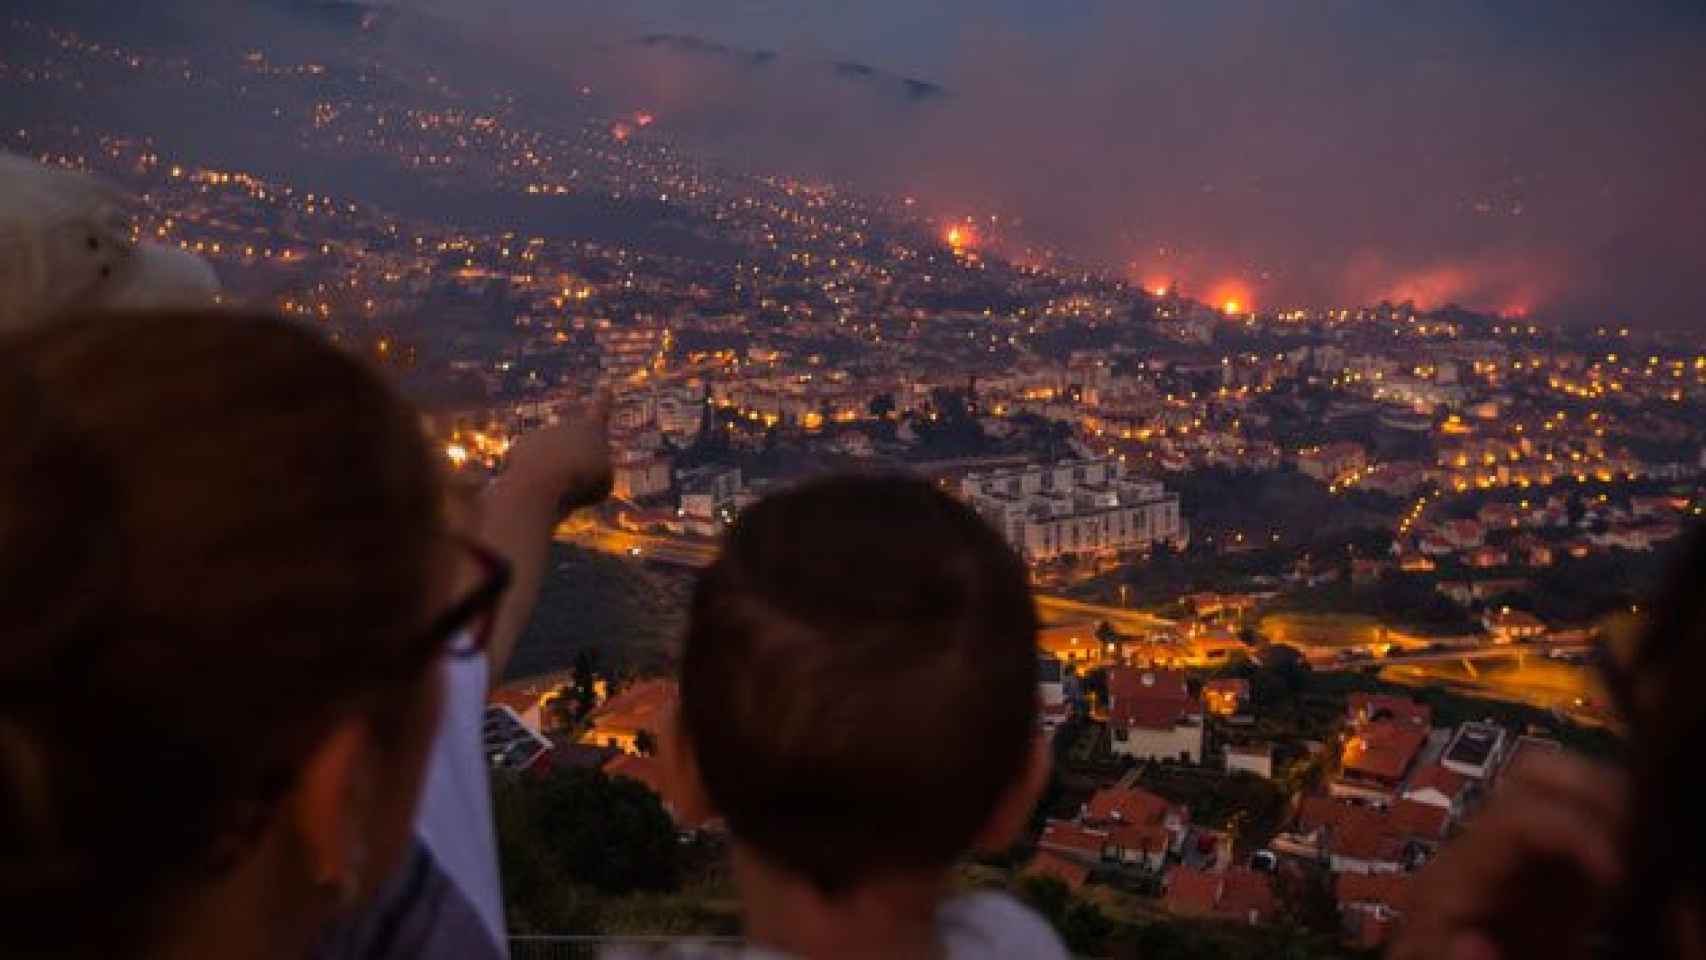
x=1054, y=609
x=668, y=550
x=695, y=554
x=1520, y=653
x=1520, y=672
x=1570, y=689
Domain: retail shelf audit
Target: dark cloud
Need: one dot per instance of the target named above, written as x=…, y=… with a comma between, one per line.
x=1522, y=154
x=1513, y=156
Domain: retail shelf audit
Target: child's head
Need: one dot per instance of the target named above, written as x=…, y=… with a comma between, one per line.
x=858, y=690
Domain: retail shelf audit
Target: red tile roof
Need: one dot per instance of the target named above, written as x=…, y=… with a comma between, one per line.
x=1317, y=811
x=1419, y=820
x=1384, y=750
x=1064, y=835
x=1360, y=833
x=1156, y=699
x=1239, y=893
x=1132, y=805
x=1365, y=707
x=1434, y=776
x=1143, y=684
x=1367, y=833
x=1192, y=891
x=1047, y=864
x=1142, y=838
x=1392, y=890
x=640, y=707
x=1247, y=895
x=1366, y=837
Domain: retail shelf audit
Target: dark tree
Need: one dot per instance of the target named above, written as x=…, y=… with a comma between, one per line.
x=1049, y=896
x=564, y=708
x=1281, y=676
x=646, y=743
x=1084, y=928
x=609, y=833
x=1106, y=634
x=584, y=680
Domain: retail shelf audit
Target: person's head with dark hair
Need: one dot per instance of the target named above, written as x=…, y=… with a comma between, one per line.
x=859, y=703
x=224, y=548
x=1656, y=684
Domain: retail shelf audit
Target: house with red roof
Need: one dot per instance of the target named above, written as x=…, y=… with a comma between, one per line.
x=1152, y=715
x=1239, y=894
x=1377, y=759
x=1074, y=841
x=1192, y=892
x=1142, y=827
x=1366, y=708
x=1352, y=838
x=1435, y=786
x=1140, y=845
x=1422, y=825
x=1371, y=905
x=1226, y=697
x=620, y=720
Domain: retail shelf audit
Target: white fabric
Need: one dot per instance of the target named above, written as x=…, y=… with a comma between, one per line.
x=455, y=820
x=65, y=244
x=976, y=926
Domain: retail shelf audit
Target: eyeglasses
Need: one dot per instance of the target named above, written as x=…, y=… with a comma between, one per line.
x=464, y=630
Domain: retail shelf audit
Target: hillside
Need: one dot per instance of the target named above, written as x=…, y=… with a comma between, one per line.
x=628, y=614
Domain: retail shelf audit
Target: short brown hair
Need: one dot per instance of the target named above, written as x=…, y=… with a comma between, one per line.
x=859, y=678
x=216, y=537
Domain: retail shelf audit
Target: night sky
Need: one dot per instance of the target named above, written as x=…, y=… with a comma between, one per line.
x=1519, y=156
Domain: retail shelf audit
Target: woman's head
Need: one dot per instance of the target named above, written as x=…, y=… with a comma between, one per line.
x=219, y=541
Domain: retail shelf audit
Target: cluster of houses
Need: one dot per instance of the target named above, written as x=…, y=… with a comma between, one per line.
x=1402, y=788
x=1125, y=830
x=1543, y=532
x=619, y=736
x=1399, y=788
x=1124, y=827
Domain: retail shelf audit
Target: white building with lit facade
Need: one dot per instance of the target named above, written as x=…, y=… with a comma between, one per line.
x=1077, y=507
